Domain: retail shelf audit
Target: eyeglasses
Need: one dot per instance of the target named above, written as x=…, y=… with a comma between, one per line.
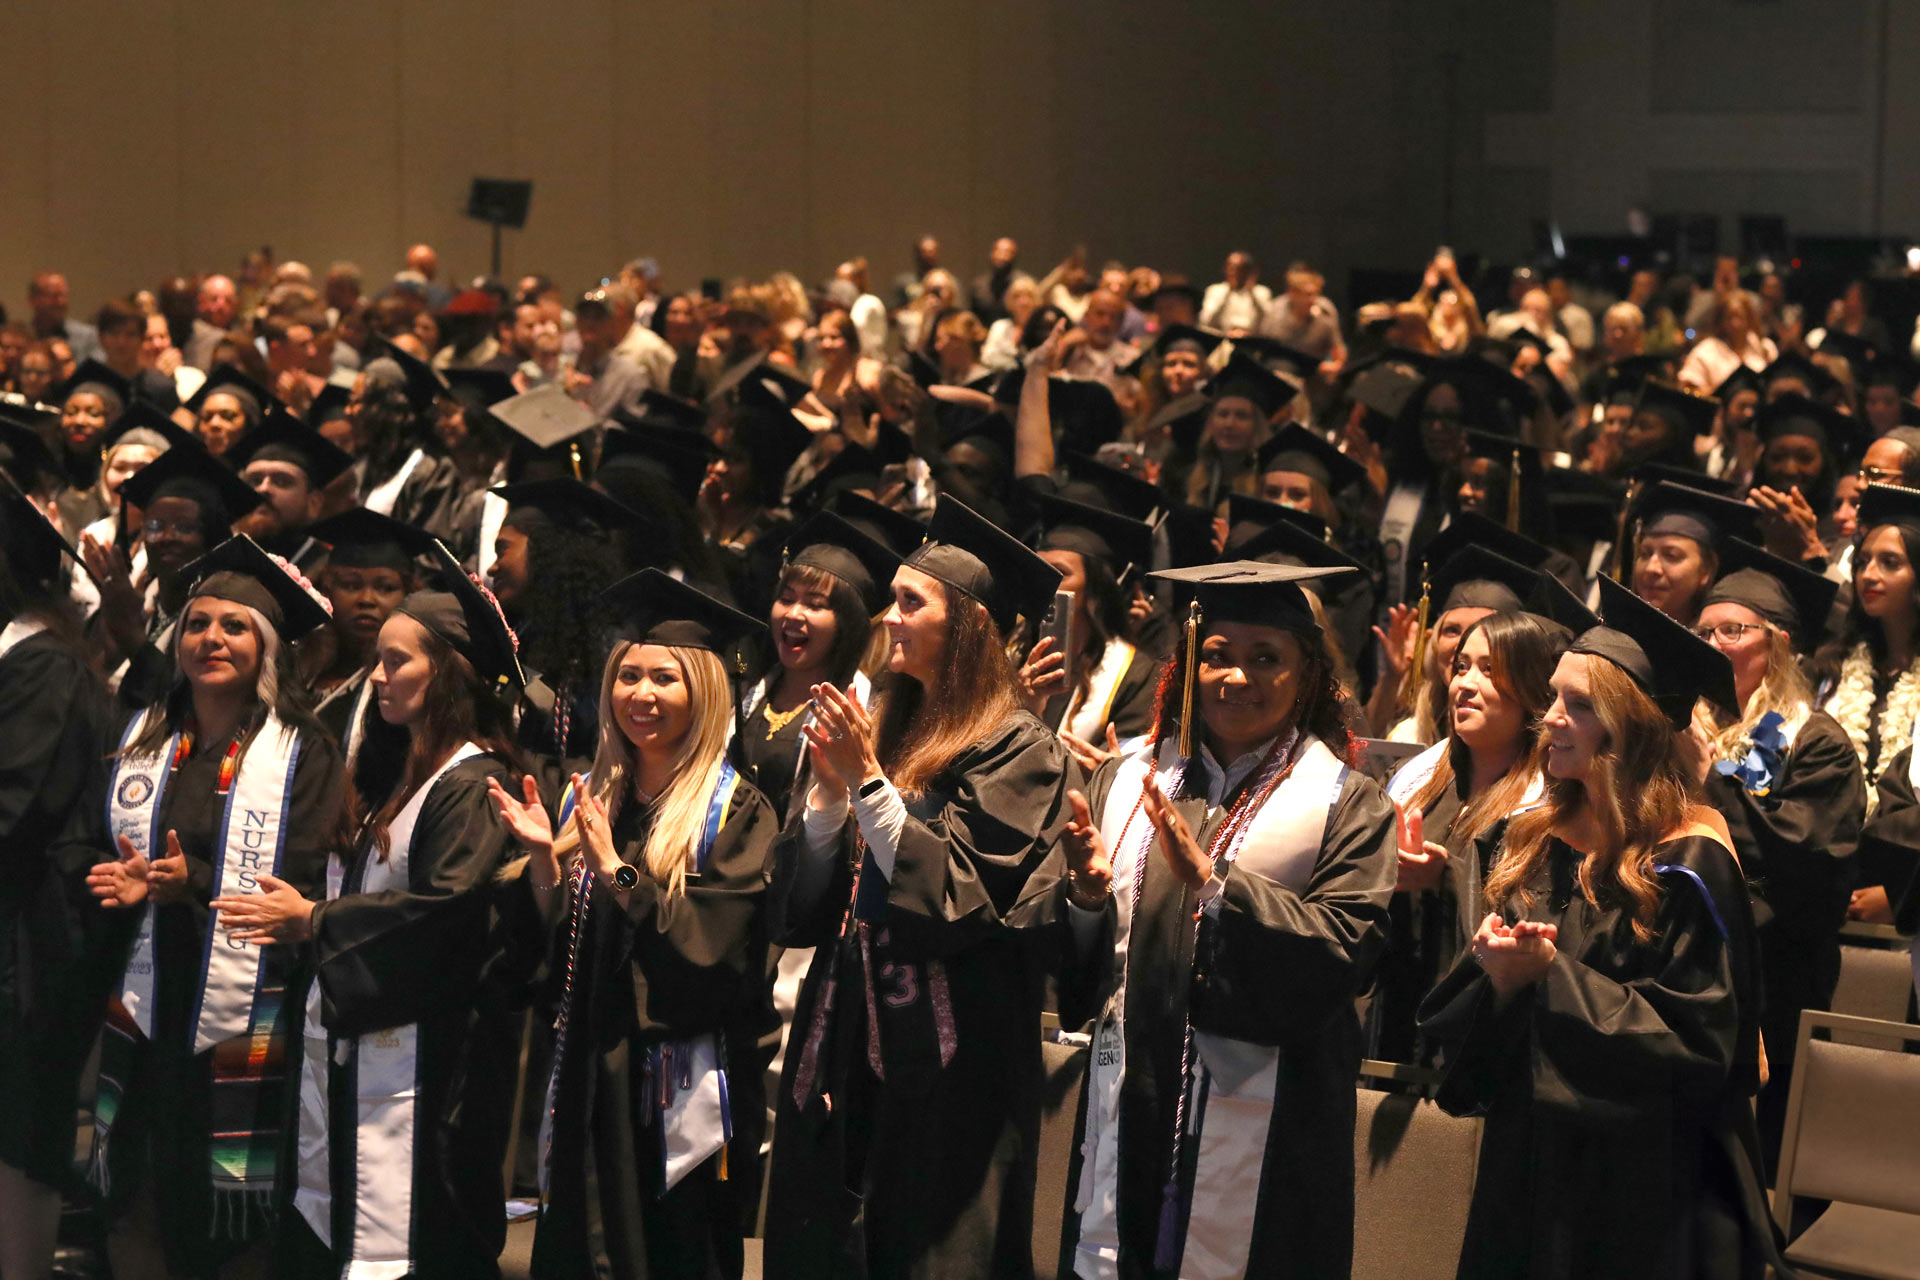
x=1879, y=475
x=1728, y=632
x=185, y=528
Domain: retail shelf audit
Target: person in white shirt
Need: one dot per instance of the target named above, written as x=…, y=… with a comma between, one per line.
x=1736, y=341
x=1236, y=304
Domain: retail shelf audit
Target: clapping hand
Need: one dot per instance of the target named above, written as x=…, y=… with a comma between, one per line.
x=122, y=883
x=527, y=819
x=1189, y=861
x=1088, y=756
x=1515, y=957
x=1421, y=861
x=278, y=913
x=839, y=743
x=1089, y=868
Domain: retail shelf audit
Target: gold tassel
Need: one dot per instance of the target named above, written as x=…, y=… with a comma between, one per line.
x=1513, y=493
x=1418, y=669
x=1189, y=680
x=573, y=452
x=1621, y=550
x=723, y=1161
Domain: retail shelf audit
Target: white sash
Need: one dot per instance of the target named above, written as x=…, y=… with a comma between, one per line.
x=1396, y=532
x=1414, y=775
x=363, y=694
x=1282, y=843
x=493, y=513
x=18, y=630
x=385, y=495
x=251, y=840
x=386, y=1083
x=1086, y=717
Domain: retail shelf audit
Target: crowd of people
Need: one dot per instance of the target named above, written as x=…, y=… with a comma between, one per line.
x=1244, y=690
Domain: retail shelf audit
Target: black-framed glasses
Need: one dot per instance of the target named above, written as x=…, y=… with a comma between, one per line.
x=1878, y=475
x=1728, y=632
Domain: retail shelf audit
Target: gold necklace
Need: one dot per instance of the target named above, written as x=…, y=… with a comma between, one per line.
x=778, y=720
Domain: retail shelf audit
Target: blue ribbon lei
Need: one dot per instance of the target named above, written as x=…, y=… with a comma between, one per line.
x=1761, y=765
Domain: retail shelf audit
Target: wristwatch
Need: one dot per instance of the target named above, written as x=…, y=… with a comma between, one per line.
x=871, y=787
x=626, y=877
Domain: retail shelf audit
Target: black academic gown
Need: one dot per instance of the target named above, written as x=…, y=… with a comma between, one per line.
x=661, y=970
x=427, y=956
x=1429, y=929
x=52, y=786
x=1271, y=967
x=1796, y=846
x=772, y=754
x=928, y=1169
x=1890, y=843
x=1618, y=1089
x=161, y=1137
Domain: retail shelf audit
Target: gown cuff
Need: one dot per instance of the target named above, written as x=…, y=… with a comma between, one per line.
x=883, y=818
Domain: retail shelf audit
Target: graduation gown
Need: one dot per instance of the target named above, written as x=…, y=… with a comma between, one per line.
x=1890, y=843
x=340, y=710
x=1121, y=693
x=1795, y=830
x=409, y=967
x=909, y=1107
x=163, y=1134
x=1617, y=1090
x=774, y=754
x=52, y=781
x=661, y=972
x=1271, y=976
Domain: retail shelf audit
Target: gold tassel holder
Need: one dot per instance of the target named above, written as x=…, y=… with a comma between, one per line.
x=573, y=452
x=1189, y=679
x=1513, y=493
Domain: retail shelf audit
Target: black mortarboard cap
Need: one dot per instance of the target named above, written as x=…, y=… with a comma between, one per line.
x=1792, y=364
x=1471, y=529
x=1245, y=376
x=1083, y=413
x=236, y=382
x=24, y=455
x=464, y=613
x=282, y=437
x=1553, y=600
x=1299, y=540
x=658, y=608
x=1248, y=515
x=1707, y=518
x=571, y=504
x=97, y=372
x=768, y=378
x=478, y=390
x=1629, y=373
x=1117, y=490
x=1791, y=597
x=1656, y=472
x=196, y=474
x=548, y=422
x=1385, y=389
x=1256, y=593
x=678, y=457
x=33, y=546
x=1295, y=448
x=1842, y=436
x=240, y=571
x=1741, y=379
x=142, y=414
x=970, y=553
x=665, y=408
x=896, y=530
x=1203, y=341
x=362, y=538
x=1685, y=410
x=1476, y=578
x=854, y=467
x=1123, y=543
x=1855, y=350
x=1671, y=665
x=1185, y=418
x=424, y=383
x=1882, y=504
x=766, y=431
x=329, y=404
x=828, y=542
x=1279, y=357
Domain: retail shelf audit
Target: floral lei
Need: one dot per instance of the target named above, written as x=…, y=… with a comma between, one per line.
x=1852, y=706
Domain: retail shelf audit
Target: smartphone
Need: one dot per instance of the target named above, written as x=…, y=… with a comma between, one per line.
x=1059, y=624
x=710, y=288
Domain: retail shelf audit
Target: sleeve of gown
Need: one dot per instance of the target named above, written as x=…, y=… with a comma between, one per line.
x=960, y=872
x=1890, y=841
x=1082, y=941
x=695, y=949
x=810, y=887
x=49, y=770
x=1797, y=841
x=1274, y=964
x=390, y=958
x=1599, y=1048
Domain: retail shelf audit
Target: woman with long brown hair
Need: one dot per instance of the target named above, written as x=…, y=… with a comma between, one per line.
x=1605, y=1017
x=1227, y=458
x=910, y=1105
x=1454, y=799
x=651, y=897
x=407, y=1072
x=1246, y=867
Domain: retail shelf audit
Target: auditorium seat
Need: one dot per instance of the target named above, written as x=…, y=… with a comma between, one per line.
x=1413, y=1170
x=1853, y=1137
x=1065, y=1067
x=1876, y=975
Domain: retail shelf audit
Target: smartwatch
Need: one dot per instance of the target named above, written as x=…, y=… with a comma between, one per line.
x=871, y=787
x=626, y=877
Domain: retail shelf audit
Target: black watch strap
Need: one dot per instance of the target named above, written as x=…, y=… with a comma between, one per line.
x=871, y=787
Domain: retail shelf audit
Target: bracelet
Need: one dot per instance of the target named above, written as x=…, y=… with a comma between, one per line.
x=1079, y=897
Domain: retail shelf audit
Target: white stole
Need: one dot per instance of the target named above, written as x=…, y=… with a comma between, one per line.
x=251, y=840
x=1086, y=717
x=18, y=630
x=386, y=494
x=386, y=1082
x=1414, y=775
x=493, y=513
x=363, y=694
x=1396, y=534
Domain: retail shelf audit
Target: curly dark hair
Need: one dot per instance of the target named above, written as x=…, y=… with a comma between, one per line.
x=566, y=626
x=1324, y=708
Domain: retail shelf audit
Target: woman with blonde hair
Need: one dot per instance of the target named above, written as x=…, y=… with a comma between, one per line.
x=1786, y=780
x=1239, y=416
x=957, y=339
x=1605, y=1016
x=651, y=898
x=910, y=1105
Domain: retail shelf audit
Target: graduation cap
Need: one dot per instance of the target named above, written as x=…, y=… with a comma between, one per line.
x=1671, y=665
x=1894, y=371
x=95, y=374
x=1656, y=472
x=1841, y=435
x=570, y=504
x=362, y=538
x=1470, y=528
x=665, y=408
x=33, y=546
x=1793, y=365
x=1246, y=377
x=478, y=390
x=1099, y=484
x=228, y=379
x=141, y=415
x=1384, y=391
x=1492, y=380
x=1248, y=515
x=854, y=467
x=1242, y=591
x=787, y=387
x=1295, y=448
x=1883, y=504
x=424, y=383
x=1279, y=357
x=1552, y=600
x=240, y=571
x=197, y=475
x=281, y=437
x=1083, y=412
x=971, y=554
x=830, y=543
x=1475, y=577
x=1545, y=385
x=1855, y=350
x=1522, y=464
x=24, y=455
x=896, y=530
x=465, y=614
x=546, y=423
x=1203, y=342
x=1793, y=598
x=1189, y=532
x=1583, y=504
x=329, y=404
x=1741, y=379
x=768, y=434
x=1676, y=510
x=1299, y=540
x=1685, y=411
x=1125, y=544
x=678, y=457
x=1184, y=418
x=658, y=608
x=1630, y=372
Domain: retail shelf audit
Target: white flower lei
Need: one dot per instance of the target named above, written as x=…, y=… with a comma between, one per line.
x=1852, y=706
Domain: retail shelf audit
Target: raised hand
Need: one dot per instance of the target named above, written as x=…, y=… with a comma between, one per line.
x=1184, y=855
x=527, y=819
x=123, y=883
x=1421, y=861
x=1089, y=868
x=1085, y=753
x=840, y=741
x=595, y=829
x=1044, y=674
